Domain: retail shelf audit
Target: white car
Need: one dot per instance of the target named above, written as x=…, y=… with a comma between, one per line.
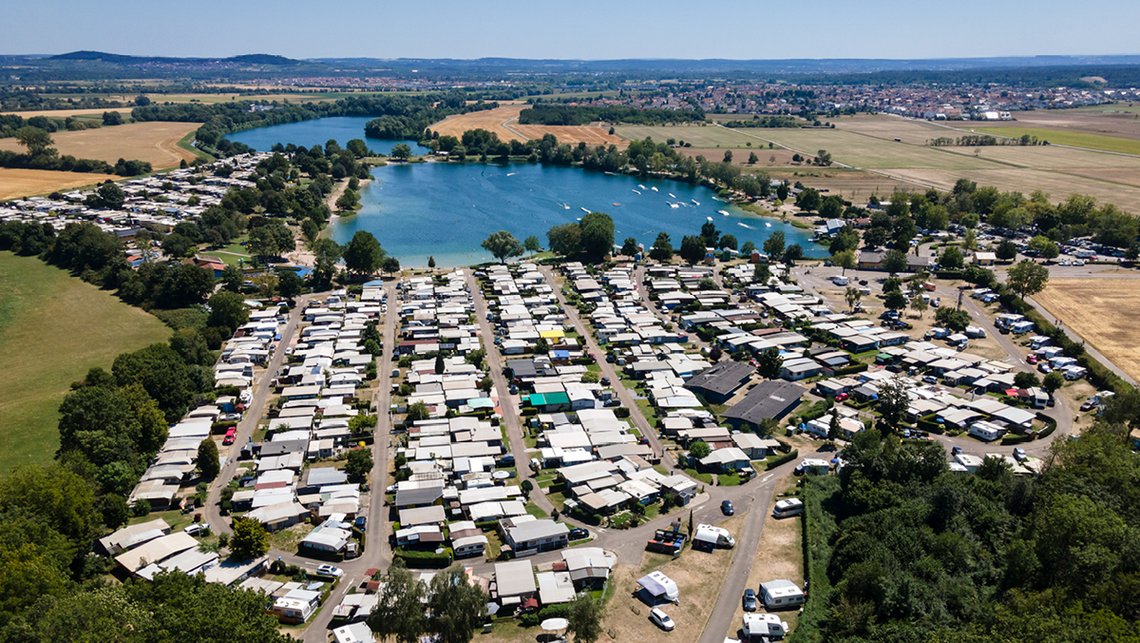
x=329, y=571
x=661, y=619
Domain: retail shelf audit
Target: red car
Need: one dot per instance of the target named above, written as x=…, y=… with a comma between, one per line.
x=1031, y=358
x=231, y=435
x=841, y=397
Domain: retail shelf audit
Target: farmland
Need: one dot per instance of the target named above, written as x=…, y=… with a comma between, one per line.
x=53, y=328
x=1101, y=311
x=154, y=142
x=15, y=183
x=1075, y=138
x=503, y=121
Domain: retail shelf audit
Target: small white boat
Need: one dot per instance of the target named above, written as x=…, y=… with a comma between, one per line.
x=708, y=219
x=724, y=212
x=586, y=210
x=641, y=186
x=654, y=188
x=674, y=205
x=717, y=198
x=635, y=191
x=767, y=225
x=744, y=225
x=565, y=206
x=578, y=219
x=672, y=196
x=695, y=202
x=511, y=173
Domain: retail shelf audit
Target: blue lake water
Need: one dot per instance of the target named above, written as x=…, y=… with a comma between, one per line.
x=342, y=129
x=446, y=210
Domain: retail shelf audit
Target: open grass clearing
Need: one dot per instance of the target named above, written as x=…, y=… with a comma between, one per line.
x=1101, y=311
x=697, y=574
x=503, y=121
x=1070, y=137
x=154, y=142
x=18, y=182
x=53, y=328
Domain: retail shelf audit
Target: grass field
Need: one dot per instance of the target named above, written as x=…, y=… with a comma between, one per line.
x=503, y=121
x=16, y=183
x=154, y=142
x=1075, y=138
x=53, y=328
x=1101, y=311
x=64, y=113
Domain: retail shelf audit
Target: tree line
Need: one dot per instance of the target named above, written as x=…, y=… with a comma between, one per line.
x=554, y=114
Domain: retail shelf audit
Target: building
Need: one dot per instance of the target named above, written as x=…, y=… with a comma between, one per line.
x=719, y=383
x=534, y=536
x=771, y=400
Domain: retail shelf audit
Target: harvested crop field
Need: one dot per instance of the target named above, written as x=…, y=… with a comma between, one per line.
x=154, y=142
x=16, y=183
x=53, y=328
x=64, y=113
x=503, y=121
x=1077, y=138
x=1101, y=311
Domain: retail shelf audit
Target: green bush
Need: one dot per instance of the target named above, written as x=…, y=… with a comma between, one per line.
x=621, y=412
x=1013, y=438
x=424, y=559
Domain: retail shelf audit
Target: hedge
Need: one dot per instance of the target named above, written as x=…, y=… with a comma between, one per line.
x=530, y=619
x=1013, y=438
x=424, y=559
x=1050, y=426
x=787, y=457
x=850, y=370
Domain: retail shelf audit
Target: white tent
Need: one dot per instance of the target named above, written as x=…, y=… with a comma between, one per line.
x=658, y=584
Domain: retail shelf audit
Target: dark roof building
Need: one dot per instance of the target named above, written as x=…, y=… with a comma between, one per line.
x=769, y=401
x=719, y=382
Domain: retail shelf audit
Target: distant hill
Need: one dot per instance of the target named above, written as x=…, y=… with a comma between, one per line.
x=120, y=59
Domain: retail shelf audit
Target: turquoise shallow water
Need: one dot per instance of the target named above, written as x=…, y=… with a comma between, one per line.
x=446, y=210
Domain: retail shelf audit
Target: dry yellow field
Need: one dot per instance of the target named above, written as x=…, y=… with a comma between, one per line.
x=64, y=113
x=16, y=183
x=1101, y=311
x=154, y=142
x=503, y=121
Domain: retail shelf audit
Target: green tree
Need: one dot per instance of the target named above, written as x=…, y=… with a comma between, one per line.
x=401, y=151
x=227, y=310
x=951, y=259
x=232, y=279
x=1027, y=278
x=1053, y=381
x=162, y=373
x=894, y=261
x=808, y=200
x=852, y=296
x=565, y=239
x=692, y=249
x=792, y=254
x=455, y=606
x=177, y=246
x=532, y=244
x=399, y=611
x=208, y=463
x=895, y=300
x=585, y=617
x=761, y=273
x=894, y=400
x=1006, y=250
x=953, y=318
x=289, y=283
x=390, y=265
x=1026, y=379
x=662, y=249
x=270, y=240
x=1045, y=247
x=417, y=411
x=845, y=260
x=54, y=496
x=752, y=158
x=769, y=362
x=250, y=539
x=597, y=236
x=363, y=254
x=629, y=247
x=774, y=245
x=358, y=465
x=727, y=241
x=919, y=305
x=699, y=449
x=35, y=140
x=502, y=245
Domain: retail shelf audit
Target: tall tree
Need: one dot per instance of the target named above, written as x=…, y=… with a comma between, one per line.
x=363, y=254
x=502, y=245
x=585, y=619
x=1027, y=278
x=250, y=539
x=208, y=463
x=597, y=236
x=399, y=611
x=774, y=245
x=662, y=249
x=227, y=310
x=455, y=606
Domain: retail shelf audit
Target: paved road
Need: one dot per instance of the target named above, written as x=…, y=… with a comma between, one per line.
x=626, y=397
x=507, y=403
x=747, y=542
x=254, y=411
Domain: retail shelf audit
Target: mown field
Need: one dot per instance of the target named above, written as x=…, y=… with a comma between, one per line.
x=16, y=183
x=154, y=142
x=503, y=121
x=1076, y=138
x=1101, y=311
x=53, y=328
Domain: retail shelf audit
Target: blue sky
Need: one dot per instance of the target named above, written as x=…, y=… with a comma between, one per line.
x=586, y=29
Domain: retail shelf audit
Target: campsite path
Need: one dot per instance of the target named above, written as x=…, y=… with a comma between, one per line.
x=624, y=394
x=508, y=404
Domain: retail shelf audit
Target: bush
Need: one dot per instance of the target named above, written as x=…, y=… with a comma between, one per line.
x=424, y=559
x=1013, y=438
x=621, y=412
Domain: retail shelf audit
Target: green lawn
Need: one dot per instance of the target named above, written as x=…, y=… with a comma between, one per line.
x=53, y=328
x=1092, y=141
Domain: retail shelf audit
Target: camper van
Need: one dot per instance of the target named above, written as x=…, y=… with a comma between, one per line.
x=788, y=507
x=781, y=594
x=986, y=431
x=840, y=280
x=709, y=537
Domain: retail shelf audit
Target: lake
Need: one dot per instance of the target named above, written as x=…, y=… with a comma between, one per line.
x=445, y=210
x=341, y=129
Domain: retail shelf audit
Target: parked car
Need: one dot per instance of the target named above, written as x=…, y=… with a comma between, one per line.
x=956, y=450
x=930, y=379
x=1019, y=454
x=726, y=508
x=231, y=435
x=841, y=397
x=361, y=522
x=197, y=529
x=329, y=571
x=1031, y=359
x=748, y=601
x=661, y=619
x=577, y=533
x=1089, y=404
x=605, y=381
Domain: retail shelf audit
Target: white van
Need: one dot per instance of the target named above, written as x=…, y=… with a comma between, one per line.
x=788, y=507
x=840, y=280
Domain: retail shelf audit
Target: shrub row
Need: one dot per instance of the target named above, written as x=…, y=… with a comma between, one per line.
x=787, y=457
